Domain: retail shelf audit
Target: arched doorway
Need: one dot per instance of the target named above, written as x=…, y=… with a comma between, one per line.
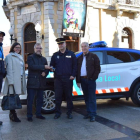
x=127, y=37
x=29, y=40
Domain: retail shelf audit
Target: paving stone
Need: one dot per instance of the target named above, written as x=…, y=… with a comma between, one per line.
x=77, y=128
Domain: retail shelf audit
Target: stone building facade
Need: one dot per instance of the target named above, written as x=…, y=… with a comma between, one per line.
x=114, y=21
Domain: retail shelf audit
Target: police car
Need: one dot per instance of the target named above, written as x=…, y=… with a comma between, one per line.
x=119, y=76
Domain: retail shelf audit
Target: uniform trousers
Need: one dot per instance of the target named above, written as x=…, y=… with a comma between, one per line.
x=63, y=86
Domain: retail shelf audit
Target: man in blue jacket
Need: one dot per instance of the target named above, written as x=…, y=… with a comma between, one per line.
x=2, y=34
x=64, y=64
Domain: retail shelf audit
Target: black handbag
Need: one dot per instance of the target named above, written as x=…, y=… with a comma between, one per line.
x=11, y=102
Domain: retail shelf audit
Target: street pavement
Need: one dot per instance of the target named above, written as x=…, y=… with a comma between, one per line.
x=116, y=120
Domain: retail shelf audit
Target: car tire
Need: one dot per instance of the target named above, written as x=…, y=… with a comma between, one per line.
x=135, y=96
x=48, y=102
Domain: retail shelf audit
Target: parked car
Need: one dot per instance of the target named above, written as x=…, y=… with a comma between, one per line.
x=119, y=77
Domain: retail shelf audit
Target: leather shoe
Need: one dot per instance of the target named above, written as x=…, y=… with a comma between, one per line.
x=70, y=116
x=41, y=117
x=92, y=119
x=13, y=116
x=29, y=119
x=0, y=122
x=86, y=117
x=56, y=116
x=17, y=120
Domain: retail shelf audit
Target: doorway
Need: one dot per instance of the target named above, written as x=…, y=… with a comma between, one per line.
x=127, y=37
x=29, y=41
x=72, y=43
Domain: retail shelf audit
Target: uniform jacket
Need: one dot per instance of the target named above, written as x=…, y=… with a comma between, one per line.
x=65, y=64
x=13, y=76
x=2, y=66
x=36, y=65
x=92, y=66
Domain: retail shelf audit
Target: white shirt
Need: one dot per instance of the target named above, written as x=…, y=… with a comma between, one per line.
x=83, y=67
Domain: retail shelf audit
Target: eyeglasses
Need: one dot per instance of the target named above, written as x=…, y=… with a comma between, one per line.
x=18, y=48
x=39, y=48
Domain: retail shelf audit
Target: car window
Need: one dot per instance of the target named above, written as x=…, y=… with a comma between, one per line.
x=135, y=56
x=100, y=56
x=118, y=57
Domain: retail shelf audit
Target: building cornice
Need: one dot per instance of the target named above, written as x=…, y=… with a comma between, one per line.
x=13, y=4
x=6, y=11
x=116, y=6
x=127, y=7
x=100, y=5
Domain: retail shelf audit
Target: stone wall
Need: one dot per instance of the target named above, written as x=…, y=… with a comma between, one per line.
x=19, y=21
x=92, y=26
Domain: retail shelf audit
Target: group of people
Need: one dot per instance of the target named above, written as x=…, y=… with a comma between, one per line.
x=66, y=68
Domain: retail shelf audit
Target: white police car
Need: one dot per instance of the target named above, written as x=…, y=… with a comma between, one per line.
x=119, y=76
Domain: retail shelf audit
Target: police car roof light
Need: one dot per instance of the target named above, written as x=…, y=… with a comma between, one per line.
x=98, y=44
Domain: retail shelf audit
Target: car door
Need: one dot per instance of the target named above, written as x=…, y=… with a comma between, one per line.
x=120, y=71
x=101, y=85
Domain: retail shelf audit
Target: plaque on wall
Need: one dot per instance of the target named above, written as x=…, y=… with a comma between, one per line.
x=28, y=9
x=74, y=18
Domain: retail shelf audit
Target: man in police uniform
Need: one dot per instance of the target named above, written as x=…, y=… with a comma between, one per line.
x=2, y=34
x=64, y=65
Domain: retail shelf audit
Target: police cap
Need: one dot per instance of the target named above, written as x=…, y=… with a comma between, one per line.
x=2, y=33
x=60, y=40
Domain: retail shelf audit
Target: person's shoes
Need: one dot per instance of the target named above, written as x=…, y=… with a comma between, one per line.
x=92, y=119
x=16, y=120
x=86, y=117
x=29, y=119
x=69, y=116
x=0, y=122
x=56, y=116
x=13, y=117
x=41, y=117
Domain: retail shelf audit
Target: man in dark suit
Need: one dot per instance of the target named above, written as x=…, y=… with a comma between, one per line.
x=88, y=71
x=37, y=72
x=2, y=34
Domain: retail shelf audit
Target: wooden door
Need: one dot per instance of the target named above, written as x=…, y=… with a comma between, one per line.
x=72, y=43
x=29, y=41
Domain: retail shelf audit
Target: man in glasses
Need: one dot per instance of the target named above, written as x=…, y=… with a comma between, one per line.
x=2, y=34
x=37, y=72
x=64, y=65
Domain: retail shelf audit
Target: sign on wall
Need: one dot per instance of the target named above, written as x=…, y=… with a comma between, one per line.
x=74, y=18
x=28, y=9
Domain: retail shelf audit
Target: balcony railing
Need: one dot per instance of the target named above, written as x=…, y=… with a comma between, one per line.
x=130, y=2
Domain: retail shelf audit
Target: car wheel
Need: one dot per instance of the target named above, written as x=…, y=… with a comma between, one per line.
x=135, y=96
x=48, y=102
